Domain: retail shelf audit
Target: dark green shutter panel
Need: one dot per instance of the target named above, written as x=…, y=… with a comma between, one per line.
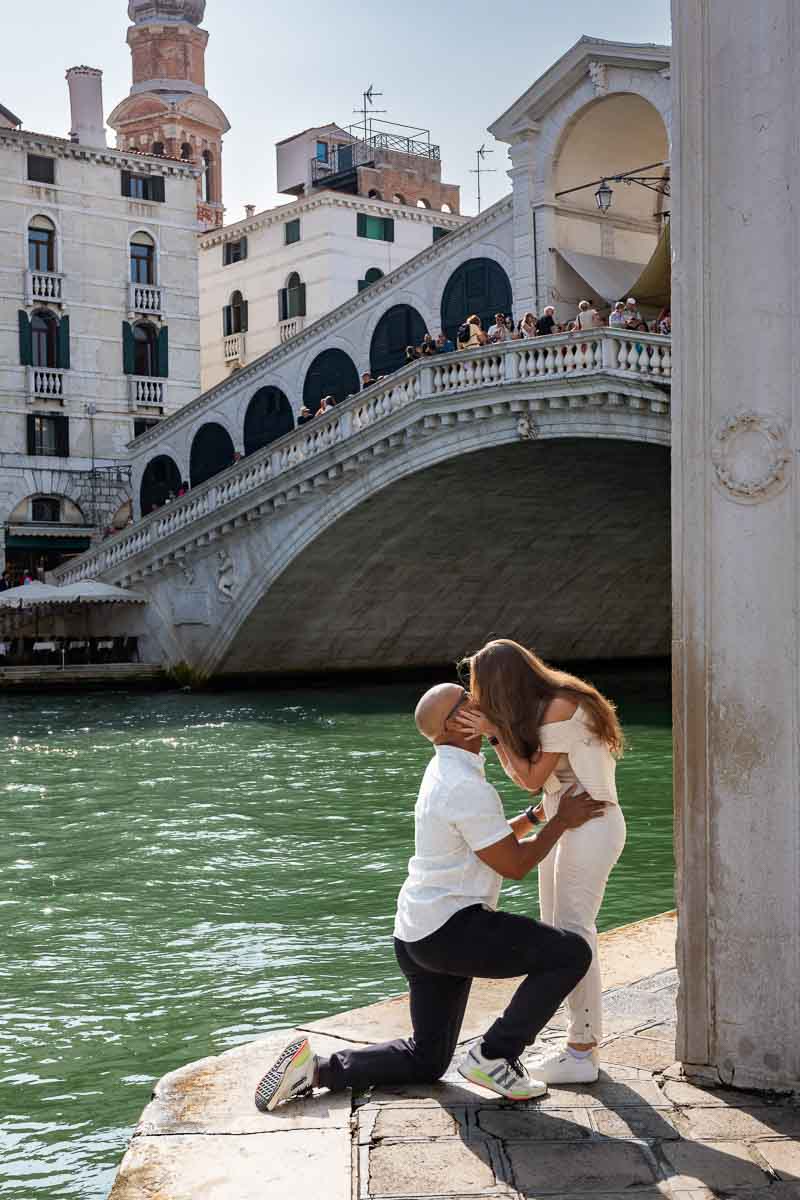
x=163, y=352
x=361, y=225
x=227, y=321
x=301, y=305
x=62, y=359
x=31, y=433
x=244, y=316
x=126, y=183
x=62, y=436
x=243, y=247
x=282, y=304
x=128, y=349
x=388, y=229
x=25, y=340
x=226, y=258
x=157, y=188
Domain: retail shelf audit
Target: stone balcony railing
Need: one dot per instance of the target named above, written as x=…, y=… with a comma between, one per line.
x=234, y=347
x=44, y=287
x=145, y=392
x=290, y=327
x=604, y=367
x=46, y=383
x=145, y=299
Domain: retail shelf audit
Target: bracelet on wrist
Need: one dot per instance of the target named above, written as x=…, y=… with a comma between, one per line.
x=530, y=813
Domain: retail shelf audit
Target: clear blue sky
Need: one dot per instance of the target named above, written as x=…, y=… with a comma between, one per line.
x=276, y=69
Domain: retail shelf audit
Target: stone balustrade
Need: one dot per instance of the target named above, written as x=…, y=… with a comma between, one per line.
x=616, y=365
x=145, y=392
x=44, y=287
x=234, y=348
x=290, y=327
x=46, y=383
x=145, y=299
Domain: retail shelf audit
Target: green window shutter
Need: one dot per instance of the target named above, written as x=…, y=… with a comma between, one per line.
x=243, y=247
x=126, y=183
x=244, y=316
x=62, y=436
x=62, y=348
x=301, y=301
x=128, y=349
x=157, y=188
x=31, y=433
x=388, y=229
x=282, y=304
x=163, y=352
x=361, y=224
x=25, y=340
x=226, y=255
x=227, y=320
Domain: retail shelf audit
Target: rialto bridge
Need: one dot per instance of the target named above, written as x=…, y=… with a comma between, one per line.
x=520, y=489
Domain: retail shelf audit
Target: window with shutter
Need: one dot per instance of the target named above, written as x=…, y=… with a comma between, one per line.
x=438, y=232
x=156, y=189
x=292, y=231
x=25, y=340
x=62, y=436
x=128, y=349
x=282, y=306
x=125, y=178
x=377, y=229
x=227, y=321
x=244, y=316
x=163, y=352
x=31, y=422
x=41, y=169
x=62, y=356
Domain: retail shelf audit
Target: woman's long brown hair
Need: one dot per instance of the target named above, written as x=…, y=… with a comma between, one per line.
x=512, y=686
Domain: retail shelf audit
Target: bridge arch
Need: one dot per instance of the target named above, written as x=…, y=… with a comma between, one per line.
x=160, y=479
x=269, y=416
x=212, y=451
x=479, y=285
x=333, y=373
x=400, y=326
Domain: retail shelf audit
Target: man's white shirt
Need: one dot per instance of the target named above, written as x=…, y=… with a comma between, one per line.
x=458, y=812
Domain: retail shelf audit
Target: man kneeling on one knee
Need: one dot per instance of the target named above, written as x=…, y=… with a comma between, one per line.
x=448, y=932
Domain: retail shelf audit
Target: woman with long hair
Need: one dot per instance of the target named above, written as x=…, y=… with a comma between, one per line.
x=551, y=730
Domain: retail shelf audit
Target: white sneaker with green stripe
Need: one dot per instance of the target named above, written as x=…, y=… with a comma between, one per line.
x=507, y=1077
x=290, y=1076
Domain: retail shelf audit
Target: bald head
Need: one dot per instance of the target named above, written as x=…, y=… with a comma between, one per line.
x=432, y=710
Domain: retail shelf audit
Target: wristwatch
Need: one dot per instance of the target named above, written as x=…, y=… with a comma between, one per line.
x=530, y=813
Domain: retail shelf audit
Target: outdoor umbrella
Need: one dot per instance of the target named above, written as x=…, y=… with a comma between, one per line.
x=90, y=591
x=34, y=595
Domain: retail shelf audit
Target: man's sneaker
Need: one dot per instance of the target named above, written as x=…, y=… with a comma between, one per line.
x=290, y=1076
x=506, y=1077
x=559, y=1066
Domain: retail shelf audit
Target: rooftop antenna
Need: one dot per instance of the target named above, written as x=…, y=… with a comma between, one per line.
x=480, y=157
x=367, y=101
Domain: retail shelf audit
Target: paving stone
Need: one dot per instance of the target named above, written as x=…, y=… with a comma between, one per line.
x=633, y=1123
x=739, y=1124
x=612, y=1093
x=659, y=981
x=230, y=1167
x=414, y=1123
x=554, y=1125
x=777, y=1191
x=783, y=1157
x=640, y=1051
x=626, y=1009
x=667, y=1031
x=715, y=1165
x=610, y=1071
x=443, y=1168
x=544, y=1168
x=687, y=1094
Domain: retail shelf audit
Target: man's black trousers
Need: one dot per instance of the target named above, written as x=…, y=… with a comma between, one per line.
x=476, y=943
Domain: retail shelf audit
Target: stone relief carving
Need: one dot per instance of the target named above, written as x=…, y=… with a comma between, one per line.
x=187, y=570
x=527, y=429
x=226, y=575
x=750, y=456
x=598, y=73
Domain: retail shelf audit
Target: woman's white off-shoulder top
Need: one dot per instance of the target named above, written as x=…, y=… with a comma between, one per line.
x=585, y=758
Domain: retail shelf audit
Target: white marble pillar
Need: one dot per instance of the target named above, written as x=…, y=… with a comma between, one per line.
x=736, y=530
x=522, y=154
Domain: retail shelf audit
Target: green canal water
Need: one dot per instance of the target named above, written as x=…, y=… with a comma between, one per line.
x=180, y=873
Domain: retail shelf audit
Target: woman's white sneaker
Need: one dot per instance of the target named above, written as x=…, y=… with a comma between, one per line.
x=290, y=1076
x=562, y=1067
x=507, y=1077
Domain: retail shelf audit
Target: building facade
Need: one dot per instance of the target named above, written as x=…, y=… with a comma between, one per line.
x=98, y=325
x=169, y=111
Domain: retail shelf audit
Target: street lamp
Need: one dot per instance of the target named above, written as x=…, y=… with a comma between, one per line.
x=603, y=196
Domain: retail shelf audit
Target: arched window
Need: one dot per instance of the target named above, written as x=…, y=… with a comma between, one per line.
x=234, y=315
x=446, y=208
x=269, y=416
x=46, y=510
x=186, y=151
x=212, y=452
x=332, y=373
x=374, y=194
x=292, y=298
x=44, y=339
x=479, y=286
x=208, y=177
x=398, y=199
x=399, y=327
x=423, y=203
x=370, y=276
x=161, y=478
x=143, y=259
x=41, y=244
x=145, y=349
x=157, y=148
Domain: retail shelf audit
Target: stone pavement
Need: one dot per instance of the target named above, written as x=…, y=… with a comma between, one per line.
x=641, y=1131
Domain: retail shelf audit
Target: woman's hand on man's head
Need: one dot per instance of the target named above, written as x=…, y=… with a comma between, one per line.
x=470, y=720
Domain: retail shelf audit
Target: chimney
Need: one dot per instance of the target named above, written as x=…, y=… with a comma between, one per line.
x=86, y=104
x=249, y=210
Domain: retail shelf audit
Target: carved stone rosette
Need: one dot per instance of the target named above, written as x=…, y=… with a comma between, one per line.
x=751, y=456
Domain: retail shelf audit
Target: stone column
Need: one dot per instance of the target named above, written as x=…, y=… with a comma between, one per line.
x=522, y=154
x=736, y=531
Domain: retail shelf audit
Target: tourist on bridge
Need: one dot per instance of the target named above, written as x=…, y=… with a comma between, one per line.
x=443, y=344
x=528, y=326
x=587, y=318
x=471, y=333
x=547, y=322
x=304, y=416
x=633, y=318
x=552, y=731
x=448, y=930
x=618, y=317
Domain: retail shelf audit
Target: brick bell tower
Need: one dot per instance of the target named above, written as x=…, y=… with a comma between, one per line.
x=169, y=110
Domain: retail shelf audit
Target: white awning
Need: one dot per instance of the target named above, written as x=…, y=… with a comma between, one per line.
x=610, y=278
